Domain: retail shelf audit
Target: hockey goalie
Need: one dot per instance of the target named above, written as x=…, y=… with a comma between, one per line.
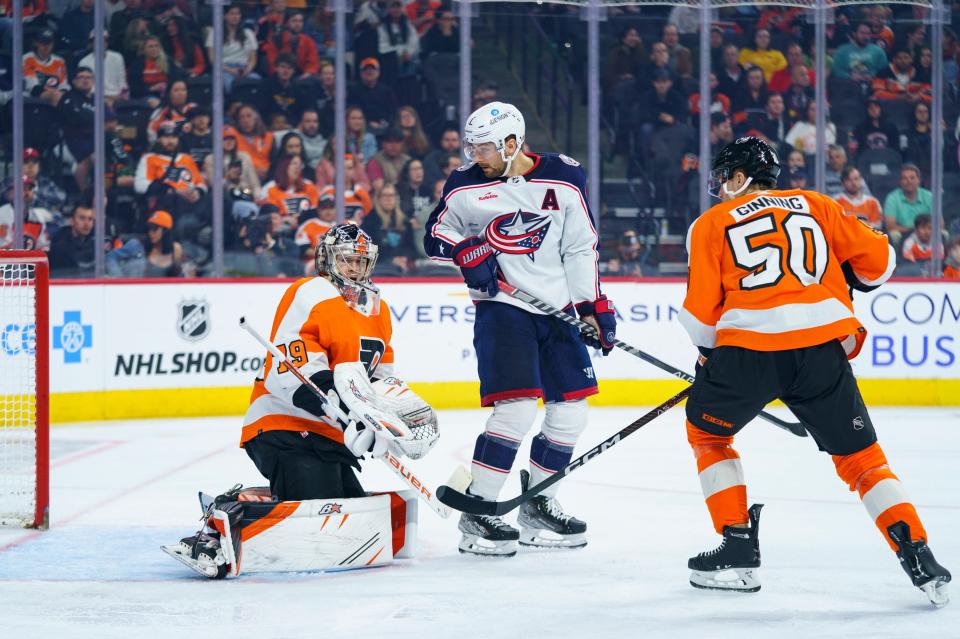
x=315, y=515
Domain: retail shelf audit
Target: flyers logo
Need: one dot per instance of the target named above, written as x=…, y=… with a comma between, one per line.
x=519, y=233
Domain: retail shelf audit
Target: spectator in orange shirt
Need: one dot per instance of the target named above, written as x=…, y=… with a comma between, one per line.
x=897, y=81
x=951, y=265
x=294, y=41
x=919, y=246
x=44, y=74
x=855, y=201
x=290, y=192
x=422, y=14
x=174, y=109
x=310, y=232
x=880, y=34
x=253, y=138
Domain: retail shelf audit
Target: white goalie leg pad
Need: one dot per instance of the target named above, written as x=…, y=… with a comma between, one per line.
x=497, y=446
x=562, y=427
x=330, y=534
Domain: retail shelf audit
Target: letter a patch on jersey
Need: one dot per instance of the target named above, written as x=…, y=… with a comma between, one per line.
x=550, y=201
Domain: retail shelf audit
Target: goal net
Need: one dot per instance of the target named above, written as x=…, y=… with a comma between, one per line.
x=24, y=441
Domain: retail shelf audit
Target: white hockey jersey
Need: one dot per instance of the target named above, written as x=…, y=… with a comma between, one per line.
x=539, y=226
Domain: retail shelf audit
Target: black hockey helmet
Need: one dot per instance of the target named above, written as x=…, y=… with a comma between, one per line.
x=753, y=156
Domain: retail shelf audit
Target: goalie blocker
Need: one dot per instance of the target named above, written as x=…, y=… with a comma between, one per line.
x=292, y=536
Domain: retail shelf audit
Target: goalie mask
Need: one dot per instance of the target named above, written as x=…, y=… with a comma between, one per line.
x=346, y=256
x=753, y=157
x=492, y=124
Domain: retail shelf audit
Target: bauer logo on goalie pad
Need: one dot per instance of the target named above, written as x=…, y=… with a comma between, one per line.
x=329, y=509
x=193, y=319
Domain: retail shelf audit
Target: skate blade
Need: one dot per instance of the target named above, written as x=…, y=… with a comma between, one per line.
x=206, y=568
x=476, y=545
x=537, y=538
x=734, y=579
x=936, y=591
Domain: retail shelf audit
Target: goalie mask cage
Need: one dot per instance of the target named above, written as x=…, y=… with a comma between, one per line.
x=24, y=389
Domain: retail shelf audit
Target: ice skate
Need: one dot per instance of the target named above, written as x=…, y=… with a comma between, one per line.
x=487, y=535
x=920, y=565
x=202, y=553
x=733, y=564
x=544, y=524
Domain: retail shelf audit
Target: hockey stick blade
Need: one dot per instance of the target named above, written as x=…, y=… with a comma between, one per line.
x=467, y=504
x=791, y=427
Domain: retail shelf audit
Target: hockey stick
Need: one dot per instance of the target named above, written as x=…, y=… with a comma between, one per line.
x=512, y=291
x=467, y=504
x=388, y=458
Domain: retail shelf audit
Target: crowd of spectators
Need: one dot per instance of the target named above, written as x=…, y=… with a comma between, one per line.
x=878, y=130
x=279, y=153
x=402, y=137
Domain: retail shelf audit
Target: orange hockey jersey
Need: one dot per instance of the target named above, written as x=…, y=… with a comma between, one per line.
x=765, y=272
x=292, y=201
x=317, y=331
x=866, y=207
x=180, y=174
x=50, y=73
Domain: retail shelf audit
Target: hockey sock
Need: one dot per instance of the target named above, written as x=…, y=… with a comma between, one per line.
x=882, y=493
x=497, y=446
x=546, y=458
x=721, y=477
x=552, y=449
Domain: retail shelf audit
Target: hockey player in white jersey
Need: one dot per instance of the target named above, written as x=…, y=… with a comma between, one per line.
x=523, y=218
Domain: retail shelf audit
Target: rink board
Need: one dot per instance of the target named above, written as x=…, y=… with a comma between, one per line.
x=174, y=348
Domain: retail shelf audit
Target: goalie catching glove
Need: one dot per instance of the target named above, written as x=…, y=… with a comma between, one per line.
x=384, y=413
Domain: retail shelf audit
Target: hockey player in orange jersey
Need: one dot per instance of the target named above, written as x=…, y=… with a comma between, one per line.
x=769, y=306
x=337, y=331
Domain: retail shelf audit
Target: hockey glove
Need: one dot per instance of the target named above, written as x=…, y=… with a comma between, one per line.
x=603, y=317
x=361, y=440
x=478, y=265
x=393, y=396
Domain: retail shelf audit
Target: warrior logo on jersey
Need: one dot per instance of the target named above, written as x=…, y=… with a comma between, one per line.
x=519, y=233
x=193, y=319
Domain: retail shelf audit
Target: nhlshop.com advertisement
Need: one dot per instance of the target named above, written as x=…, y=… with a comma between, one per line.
x=172, y=346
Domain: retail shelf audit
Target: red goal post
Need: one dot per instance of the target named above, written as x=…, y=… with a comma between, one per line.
x=24, y=389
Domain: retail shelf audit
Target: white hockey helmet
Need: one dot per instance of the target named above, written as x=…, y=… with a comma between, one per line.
x=494, y=123
x=346, y=256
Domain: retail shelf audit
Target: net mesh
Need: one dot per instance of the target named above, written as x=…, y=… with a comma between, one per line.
x=18, y=398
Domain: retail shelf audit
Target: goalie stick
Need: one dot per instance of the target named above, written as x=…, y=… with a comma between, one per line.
x=460, y=477
x=474, y=506
x=512, y=291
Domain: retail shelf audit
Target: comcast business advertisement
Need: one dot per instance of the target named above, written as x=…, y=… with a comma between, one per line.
x=186, y=335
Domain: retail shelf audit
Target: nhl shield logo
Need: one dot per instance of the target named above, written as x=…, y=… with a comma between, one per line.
x=193, y=319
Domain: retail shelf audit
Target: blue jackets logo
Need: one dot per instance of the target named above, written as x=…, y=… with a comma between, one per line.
x=519, y=233
x=72, y=337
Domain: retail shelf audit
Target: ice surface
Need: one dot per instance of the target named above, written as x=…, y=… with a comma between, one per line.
x=120, y=490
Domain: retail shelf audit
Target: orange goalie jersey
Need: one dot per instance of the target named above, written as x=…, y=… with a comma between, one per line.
x=765, y=272
x=317, y=330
